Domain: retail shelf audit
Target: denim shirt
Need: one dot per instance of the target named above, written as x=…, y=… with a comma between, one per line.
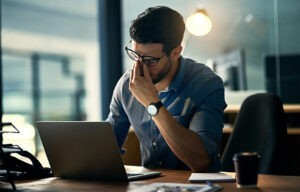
x=195, y=99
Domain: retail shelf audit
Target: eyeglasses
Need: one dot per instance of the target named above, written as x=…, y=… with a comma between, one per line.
x=148, y=60
x=5, y=130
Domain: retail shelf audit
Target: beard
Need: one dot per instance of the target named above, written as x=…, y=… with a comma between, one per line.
x=163, y=72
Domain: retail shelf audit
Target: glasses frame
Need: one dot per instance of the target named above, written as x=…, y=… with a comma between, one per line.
x=8, y=124
x=146, y=61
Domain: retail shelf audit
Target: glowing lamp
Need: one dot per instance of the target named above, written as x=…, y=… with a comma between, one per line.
x=199, y=23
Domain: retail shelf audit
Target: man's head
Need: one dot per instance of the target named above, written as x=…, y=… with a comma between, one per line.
x=158, y=25
x=157, y=33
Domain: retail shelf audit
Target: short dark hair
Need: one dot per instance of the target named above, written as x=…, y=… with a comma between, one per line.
x=158, y=25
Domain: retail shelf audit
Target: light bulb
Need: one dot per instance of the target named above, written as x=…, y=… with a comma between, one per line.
x=199, y=24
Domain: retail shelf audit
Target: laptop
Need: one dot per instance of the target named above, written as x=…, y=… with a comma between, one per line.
x=85, y=151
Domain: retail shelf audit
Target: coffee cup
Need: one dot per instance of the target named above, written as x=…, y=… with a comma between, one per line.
x=246, y=168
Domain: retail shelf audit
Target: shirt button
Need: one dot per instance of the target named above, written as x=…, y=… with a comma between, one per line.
x=154, y=143
x=160, y=163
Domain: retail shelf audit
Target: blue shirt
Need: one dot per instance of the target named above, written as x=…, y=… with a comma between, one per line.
x=195, y=99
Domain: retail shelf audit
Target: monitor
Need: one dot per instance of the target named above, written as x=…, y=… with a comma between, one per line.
x=287, y=84
x=231, y=68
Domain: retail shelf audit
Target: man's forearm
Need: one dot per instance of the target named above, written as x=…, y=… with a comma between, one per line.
x=185, y=144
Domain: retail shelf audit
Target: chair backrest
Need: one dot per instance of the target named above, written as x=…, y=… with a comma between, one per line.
x=259, y=127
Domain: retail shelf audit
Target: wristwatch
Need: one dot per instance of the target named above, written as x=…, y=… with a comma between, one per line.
x=153, y=108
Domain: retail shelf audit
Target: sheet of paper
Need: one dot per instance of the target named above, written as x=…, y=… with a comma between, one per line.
x=212, y=177
x=176, y=187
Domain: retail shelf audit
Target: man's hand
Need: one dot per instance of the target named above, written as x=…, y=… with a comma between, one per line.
x=141, y=86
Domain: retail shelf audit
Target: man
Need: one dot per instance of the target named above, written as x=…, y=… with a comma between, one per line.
x=174, y=104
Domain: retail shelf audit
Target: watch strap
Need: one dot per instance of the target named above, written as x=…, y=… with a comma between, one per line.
x=158, y=105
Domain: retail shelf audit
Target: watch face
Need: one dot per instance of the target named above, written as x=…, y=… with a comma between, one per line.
x=152, y=110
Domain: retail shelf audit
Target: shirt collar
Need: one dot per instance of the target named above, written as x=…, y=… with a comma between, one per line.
x=178, y=79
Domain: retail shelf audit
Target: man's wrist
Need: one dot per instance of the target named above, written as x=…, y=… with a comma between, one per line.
x=153, y=108
x=152, y=100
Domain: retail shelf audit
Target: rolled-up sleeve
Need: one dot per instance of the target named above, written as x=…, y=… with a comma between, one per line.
x=207, y=122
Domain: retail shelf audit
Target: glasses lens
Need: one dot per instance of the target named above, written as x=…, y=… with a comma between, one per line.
x=150, y=61
x=133, y=55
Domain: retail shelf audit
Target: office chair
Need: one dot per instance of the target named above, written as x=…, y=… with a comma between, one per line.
x=259, y=127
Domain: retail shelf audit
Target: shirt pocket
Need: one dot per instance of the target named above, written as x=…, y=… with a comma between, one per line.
x=183, y=120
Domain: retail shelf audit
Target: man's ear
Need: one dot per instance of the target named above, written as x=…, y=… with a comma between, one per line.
x=175, y=53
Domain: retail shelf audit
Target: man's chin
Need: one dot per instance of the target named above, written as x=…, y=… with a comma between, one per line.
x=158, y=79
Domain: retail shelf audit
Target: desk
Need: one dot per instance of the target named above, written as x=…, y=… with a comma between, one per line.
x=288, y=108
x=266, y=183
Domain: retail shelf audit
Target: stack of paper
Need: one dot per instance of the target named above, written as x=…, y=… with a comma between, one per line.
x=212, y=177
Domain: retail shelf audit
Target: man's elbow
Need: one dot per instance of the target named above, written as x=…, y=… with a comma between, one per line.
x=201, y=165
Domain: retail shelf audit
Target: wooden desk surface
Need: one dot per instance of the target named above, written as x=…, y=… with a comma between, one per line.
x=290, y=131
x=266, y=183
x=288, y=108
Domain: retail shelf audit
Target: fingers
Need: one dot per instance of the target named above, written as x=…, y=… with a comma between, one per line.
x=131, y=75
x=146, y=72
x=136, y=72
x=141, y=66
x=136, y=69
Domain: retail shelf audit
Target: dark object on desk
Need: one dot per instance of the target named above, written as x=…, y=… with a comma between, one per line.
x=12, y=168
x=246, y=168
x=85, y=151
x=286, y=84
x=260, y=127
